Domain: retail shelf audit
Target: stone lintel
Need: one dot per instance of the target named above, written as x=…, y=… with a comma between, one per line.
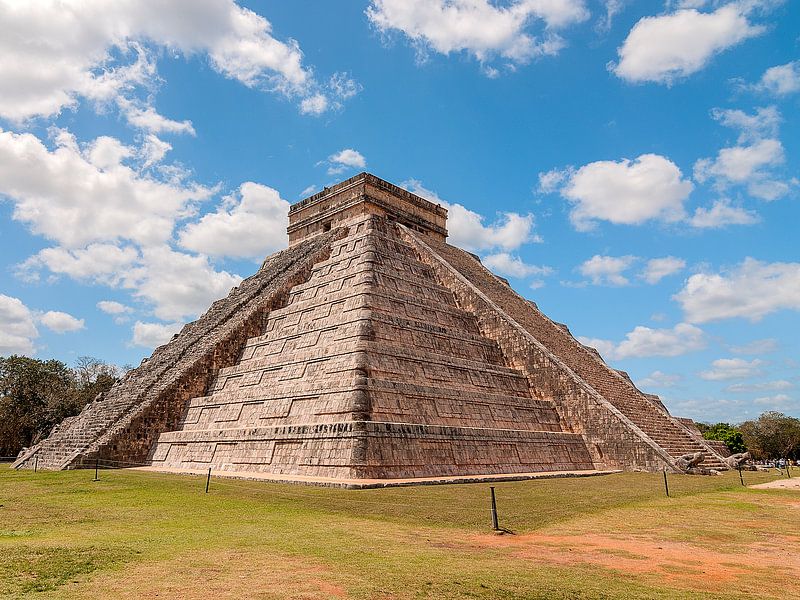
x=364, y=194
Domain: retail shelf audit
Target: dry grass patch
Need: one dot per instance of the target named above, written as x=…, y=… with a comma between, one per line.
x=146, y=535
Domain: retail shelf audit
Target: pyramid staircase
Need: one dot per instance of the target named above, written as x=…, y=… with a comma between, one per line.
x=644, y=411
x=371, y=371
x=372, y=350
x=121, y=424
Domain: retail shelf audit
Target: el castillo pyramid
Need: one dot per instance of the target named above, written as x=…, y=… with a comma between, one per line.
x=372, y=350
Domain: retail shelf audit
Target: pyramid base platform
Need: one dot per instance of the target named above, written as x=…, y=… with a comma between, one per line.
x=370, y=450
x=363, y=484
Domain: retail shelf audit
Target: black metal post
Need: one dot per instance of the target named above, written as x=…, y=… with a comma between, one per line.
x=495, y=524
x=35, y=463
x=208, y=479
x=96, y=469
x=666, y=485
x=740, y=475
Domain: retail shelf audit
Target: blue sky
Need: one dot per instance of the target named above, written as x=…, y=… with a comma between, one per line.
x=630, y=166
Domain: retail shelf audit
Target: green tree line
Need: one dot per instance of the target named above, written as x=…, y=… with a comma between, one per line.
x=36, y=395
x=772, y=435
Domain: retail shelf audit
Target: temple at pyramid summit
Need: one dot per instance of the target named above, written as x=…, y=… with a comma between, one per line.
x=372, y=351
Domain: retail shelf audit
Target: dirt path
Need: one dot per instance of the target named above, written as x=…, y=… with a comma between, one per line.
x=780, y=484
x=684, y=565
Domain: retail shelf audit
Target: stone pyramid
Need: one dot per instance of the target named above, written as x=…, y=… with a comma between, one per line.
x=371, y=350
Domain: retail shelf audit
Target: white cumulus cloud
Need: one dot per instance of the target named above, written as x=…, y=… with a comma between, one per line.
x=659, y=379
x=653, y=188
x=776, y=401
x=59, y=51
x=467, y=229
x=104, y=263
x=629, y=192
x=644, y=341
x=314, y=105
x=607, y=270
x=753, y=161
x=613, y=8
x=249, y=224
x=150, y=335
x=745, y=165
x=781, y=80
x=17, y=327
x=78, y=196
x=721, y=214
x=484, y=29
x=658, y=268
x=113, y=222
x=61, y=322
x=765, y=346
x=667, y=47
x=763, y=386
x=551, y=181
x=178, y=285
x=146, y=117
x=153, y=150
x=112, y=307
x=732, y=368
x=508, y=265
x=763, y=123
x=750, y=290
x=345, y=159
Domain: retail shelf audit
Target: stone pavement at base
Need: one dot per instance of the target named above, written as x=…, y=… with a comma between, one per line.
x=377, y=483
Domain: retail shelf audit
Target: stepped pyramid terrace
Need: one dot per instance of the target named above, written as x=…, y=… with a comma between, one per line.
x=371, y=352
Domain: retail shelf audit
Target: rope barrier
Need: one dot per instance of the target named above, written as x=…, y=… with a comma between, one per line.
x=316, y=497
x=219, y=480
x=239, y=485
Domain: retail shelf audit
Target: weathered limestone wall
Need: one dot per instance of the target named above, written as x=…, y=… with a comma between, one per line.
x=330, y=450
x=372, y=349
x=360, y=195
x=372, y=450
x=122, y=424
x=371, y=371
x=612, y=440
x=412, y=450
x=614, y=386
x=610, y=386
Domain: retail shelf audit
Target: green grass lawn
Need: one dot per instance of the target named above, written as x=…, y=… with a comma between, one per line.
x=136, y=534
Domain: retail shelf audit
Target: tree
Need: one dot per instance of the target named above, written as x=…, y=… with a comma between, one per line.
x=89, y=369
x=702, y=427
x=726, y=433
x=772, y=435
x=93, y=376
x=36, y=395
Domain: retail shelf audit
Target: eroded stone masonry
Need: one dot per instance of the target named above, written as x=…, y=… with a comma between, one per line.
x=372, y=349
